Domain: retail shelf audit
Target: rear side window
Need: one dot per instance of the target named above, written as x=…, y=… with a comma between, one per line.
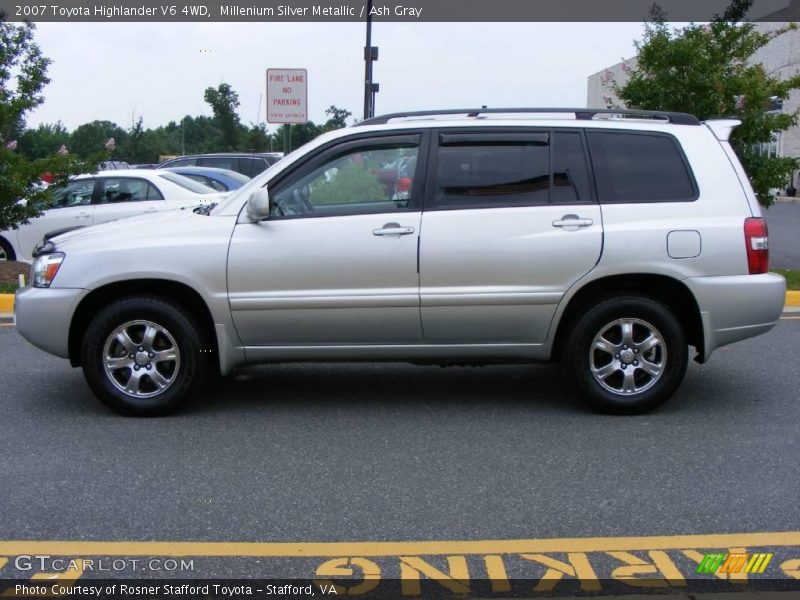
x=475, y=173
x=570, y=172
x=485, y=170
x=634, y=167
x=181, y=162
x=220, y=162
x=125, y=189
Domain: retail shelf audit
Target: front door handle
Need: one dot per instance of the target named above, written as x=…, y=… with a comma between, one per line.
x=83, y=215
x=572, y=222
x=391, y=229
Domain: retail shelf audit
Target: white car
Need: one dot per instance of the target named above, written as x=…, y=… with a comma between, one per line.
x=105, y=196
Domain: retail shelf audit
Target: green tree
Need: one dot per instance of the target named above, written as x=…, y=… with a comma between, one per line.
x=337, y=118
x=707, y=70
x=299, y=134
x=132, y=148
x=23, y=75
x=257, y=138
x=224, y=102
x=43, y=141
x=87, y=138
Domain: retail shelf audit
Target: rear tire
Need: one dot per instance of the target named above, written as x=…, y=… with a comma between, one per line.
x=142, y=356
x=626, y=354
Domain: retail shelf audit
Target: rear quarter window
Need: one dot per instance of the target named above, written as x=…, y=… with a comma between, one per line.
x=638, y=168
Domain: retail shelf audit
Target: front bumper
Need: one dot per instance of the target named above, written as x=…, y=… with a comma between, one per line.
x=737, y=307
x=43, y=316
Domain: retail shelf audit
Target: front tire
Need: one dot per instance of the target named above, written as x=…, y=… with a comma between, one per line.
x=627, y=354
x=143, y=357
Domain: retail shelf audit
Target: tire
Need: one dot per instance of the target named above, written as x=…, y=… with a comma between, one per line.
x=168, y=364
x=6, y=251
x=626, y=355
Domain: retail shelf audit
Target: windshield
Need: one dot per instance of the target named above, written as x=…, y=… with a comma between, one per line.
x=237, y=176
x=188, y=184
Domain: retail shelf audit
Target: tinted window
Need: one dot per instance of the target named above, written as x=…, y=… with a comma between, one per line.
x=374, y=178
x=487, y=173
x=123, y=189
x=220, y=162
x=570, y=172
x=632, y=167
x=253, y=166
x=181, y=162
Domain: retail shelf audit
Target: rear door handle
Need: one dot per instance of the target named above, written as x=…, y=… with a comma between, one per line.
x=391, y=229
x=83, y=215
x=572, y=222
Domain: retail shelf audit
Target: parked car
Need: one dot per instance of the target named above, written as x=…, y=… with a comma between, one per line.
x=113, y=165
x=246, y=163
x=222, y=180
x=105, y=196
x=609, y=240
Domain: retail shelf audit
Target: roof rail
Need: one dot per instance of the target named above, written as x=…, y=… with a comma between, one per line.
x=580, y=113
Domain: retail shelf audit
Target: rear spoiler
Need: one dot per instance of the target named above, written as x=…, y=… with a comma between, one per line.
x=722, y=128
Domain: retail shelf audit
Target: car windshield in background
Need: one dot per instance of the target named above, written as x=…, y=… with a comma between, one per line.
x=186, y=183
x=236, y=176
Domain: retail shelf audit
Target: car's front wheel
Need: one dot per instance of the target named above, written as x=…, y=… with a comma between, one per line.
x=627, y=354
x=142, y=356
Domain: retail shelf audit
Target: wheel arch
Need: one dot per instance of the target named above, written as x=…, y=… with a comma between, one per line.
x=184, y=296
x=7, y=246
x=667, y=290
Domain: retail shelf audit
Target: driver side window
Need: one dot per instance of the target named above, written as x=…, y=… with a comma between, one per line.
x=375, y=178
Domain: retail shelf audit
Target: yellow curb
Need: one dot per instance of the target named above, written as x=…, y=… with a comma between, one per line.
x=6, y=302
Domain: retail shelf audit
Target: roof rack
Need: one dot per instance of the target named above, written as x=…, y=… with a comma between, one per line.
x=580, y=113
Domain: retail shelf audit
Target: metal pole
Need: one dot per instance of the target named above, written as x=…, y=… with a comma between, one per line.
x=368, y=65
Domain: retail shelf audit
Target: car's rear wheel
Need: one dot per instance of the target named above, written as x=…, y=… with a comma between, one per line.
x=627, y=354
x=143, y=357
x=6, y=251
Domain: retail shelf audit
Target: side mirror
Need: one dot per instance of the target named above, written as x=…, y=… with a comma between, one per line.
x=258, y=205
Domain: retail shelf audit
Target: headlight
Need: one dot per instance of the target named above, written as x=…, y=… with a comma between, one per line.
x=45, y=268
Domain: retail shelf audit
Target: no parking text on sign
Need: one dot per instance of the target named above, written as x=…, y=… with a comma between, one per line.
x=287, y=95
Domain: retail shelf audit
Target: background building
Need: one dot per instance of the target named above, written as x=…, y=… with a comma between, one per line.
x=781, y=59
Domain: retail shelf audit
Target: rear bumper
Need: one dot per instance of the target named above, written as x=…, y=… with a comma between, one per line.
x=737, y=307
x=43, y=316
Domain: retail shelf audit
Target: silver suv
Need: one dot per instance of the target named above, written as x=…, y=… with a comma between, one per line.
x=611, y=240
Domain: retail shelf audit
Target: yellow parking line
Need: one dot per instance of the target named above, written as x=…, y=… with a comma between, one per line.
x=344, y=549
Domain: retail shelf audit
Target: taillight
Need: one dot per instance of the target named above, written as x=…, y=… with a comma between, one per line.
x=757, y=244
x=404, y=184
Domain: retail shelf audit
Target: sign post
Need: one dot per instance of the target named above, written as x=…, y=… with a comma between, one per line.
x=287, y=99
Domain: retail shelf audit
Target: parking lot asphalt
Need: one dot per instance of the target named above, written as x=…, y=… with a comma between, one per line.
x=783, y=221
x=391, y=452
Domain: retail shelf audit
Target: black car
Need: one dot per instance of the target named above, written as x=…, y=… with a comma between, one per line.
x=250, y=164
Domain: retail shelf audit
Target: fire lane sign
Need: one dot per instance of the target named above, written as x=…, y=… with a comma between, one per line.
x=287, y=95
